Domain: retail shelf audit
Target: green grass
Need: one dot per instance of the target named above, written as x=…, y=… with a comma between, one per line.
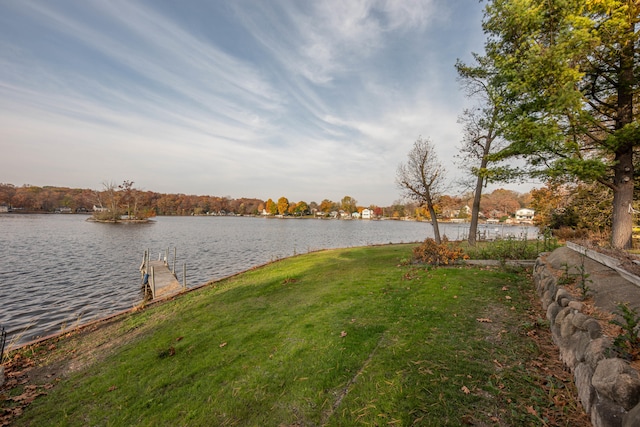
x=335, y=338
x=511, y=248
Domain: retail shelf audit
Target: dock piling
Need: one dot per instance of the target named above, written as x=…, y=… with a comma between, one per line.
x=184, y=275
x=153, y=282
x=173, y=270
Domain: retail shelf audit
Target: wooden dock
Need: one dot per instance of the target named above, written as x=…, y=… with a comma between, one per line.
x=158, y=279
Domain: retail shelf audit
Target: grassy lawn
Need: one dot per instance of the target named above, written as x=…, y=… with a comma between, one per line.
x=336, y=338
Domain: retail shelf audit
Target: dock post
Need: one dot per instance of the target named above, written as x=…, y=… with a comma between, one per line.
x=184, y=275
x=153, y=283
x=143, y=266
x=174, y=260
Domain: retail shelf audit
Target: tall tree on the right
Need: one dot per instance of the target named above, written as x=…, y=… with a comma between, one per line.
x=568, y=71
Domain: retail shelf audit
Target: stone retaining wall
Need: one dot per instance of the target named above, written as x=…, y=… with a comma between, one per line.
x=608, y=388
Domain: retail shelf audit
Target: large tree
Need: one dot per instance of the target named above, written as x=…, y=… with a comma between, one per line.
x=482, y=132
x=349, y=204
x=568, y=71
x=422, y=178
x=283, y=205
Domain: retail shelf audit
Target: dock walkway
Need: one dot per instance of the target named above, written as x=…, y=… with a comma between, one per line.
x=159, y=279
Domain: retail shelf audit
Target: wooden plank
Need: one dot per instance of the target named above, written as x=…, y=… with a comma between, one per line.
x=163, y=282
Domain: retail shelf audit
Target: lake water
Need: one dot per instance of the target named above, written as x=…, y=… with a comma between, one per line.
x=57, y=271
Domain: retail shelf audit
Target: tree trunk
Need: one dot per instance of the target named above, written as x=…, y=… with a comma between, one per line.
x=475, y=210
x=477, y=194
x=434, y=222
x=622, y=222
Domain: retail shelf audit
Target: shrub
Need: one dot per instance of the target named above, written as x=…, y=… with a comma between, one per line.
x=512, y=248
x=627, y=343
x=430, y=252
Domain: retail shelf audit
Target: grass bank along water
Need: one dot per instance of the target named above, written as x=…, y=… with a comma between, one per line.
x=59, y=270
x=338, y=337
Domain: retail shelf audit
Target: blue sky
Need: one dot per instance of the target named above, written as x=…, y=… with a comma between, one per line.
x=310, y=100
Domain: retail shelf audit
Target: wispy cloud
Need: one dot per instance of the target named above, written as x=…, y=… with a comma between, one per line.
x=230, y=98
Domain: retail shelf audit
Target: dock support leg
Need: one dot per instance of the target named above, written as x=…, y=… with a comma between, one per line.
x=174, y=261
x=153, y=283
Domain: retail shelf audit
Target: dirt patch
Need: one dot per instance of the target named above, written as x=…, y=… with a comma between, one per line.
x=493, y=322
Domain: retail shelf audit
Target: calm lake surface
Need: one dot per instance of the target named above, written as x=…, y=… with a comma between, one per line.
x=57, y=271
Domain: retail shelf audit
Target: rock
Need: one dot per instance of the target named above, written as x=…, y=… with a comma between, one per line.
x=563, y=293
x=606, y=414
x=615, y=380
x=579, y=319
x=547, y=300
x=580, y=343
x=632, y=419
x=596, y=351
x=566, y=325
x=552, y=312
x=576, y=305
x=564, y=312
x=593, y=328
x=582, y=375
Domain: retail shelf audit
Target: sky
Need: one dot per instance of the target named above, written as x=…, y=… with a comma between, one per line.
x=309, y=100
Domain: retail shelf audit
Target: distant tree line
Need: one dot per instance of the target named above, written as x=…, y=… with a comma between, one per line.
x=129, y=201
x=29, y=198
x=584, y=208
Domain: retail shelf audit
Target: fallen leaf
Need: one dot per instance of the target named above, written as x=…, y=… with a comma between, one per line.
x=484, y=320
x=465, y=390
x=223, y=344
x=505, y=288
x=112, y=388
x=508, y=297
x=343, y=334
x=532, y=411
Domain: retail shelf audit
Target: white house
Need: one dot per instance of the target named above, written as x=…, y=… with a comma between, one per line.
x=524, y=215
x=367, y=214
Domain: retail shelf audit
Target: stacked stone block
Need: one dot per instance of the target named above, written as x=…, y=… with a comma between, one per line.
x=608, y=387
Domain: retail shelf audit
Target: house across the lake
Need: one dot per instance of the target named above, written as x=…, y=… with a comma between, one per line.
x=525, y=215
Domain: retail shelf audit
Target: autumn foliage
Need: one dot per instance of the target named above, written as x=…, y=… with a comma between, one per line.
x=445, y=253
